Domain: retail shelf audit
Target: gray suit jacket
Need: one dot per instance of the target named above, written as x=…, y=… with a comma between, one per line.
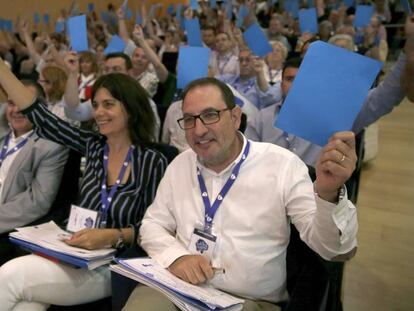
x=31, y=183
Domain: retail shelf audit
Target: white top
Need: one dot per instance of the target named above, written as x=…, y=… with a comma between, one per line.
x=252, y=223
x=7, y=163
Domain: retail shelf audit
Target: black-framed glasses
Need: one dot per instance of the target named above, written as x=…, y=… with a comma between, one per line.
x=207, y=117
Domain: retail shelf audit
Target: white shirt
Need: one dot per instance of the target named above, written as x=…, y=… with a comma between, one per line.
x=226, y=64
x=7, y=163
x=252, y=223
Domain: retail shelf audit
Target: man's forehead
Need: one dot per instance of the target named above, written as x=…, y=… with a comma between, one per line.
x=115, y=61
x=203, y=97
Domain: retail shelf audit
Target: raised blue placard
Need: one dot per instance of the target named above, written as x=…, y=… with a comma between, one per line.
x=327, y=93
x=256, y=40
x=115, y=45
x=243, y=12
x=192, y=27
x=292, y=7
x=60, y=26
x=91, y=7
x=194, y=5
x=213, y=4
x=170, y=9
x=8, y=25
x=406, y=6
x=192, y=64
x=46, y=18
x=363, y=15
x=36, y=18
x=308, y=21
x=138, y=18
x=78, y=33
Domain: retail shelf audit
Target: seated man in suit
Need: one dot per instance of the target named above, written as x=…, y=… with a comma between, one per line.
x=30, y=172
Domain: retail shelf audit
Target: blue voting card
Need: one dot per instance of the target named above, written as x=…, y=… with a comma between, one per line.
x=59, y=26
x=192, y=27
x=1, y=24
x=213, y=4
x=310, y=3
x=194, y=5
x=8, y=25
x=256, y=40
x=229, y=10
x=308, y=21
x=243, y=12
x=128, y=14
x=363, y=15
x=327, y=93
x=292, y=6
x=77, y=32
x=46, y=18
x=105, y=16
x=407, y=6
x=36, y=18
x=178, y=12
x=115, y=45
x=170, y=9
x=192, y=64
x=91, y=7
x=138, y=18
x=349, y=3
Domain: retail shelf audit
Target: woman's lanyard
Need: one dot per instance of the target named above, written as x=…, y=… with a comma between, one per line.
x=210, y=210
x=106, y=198
x=4, y=153
x=272, y=76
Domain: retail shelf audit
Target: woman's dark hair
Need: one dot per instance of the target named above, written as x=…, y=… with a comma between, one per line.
x=141, y=120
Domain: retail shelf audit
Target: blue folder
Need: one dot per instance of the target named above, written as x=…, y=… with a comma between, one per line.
x=257, y=41
x=308, y=21
x=115, y=45
x=363, y=15
x=192, y=27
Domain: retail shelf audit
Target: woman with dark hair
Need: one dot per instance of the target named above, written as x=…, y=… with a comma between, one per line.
x=120, y=180
x=88, y=72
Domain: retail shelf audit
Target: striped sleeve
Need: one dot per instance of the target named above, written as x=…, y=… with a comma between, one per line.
x=49, y=126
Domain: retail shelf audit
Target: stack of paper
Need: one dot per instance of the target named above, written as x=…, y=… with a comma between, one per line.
x=184, y=295
x=47, y=240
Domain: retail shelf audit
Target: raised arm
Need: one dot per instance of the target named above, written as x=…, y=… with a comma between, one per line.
x=122, y=28
x=16, y=91
x=24, y=29
x=71, y=95
x=160, y=69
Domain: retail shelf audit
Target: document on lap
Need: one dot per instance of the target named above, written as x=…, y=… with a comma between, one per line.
x=184, y=295
x=47, y=240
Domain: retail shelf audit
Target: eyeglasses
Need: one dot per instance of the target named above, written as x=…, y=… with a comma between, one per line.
x=207, y=117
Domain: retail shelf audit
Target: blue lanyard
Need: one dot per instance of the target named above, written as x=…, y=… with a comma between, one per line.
x=225, y=61
x=106, y=197
x=242, y=87
x=210, y=210
x=4, y=153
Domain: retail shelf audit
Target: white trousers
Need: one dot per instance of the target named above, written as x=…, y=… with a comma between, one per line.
x=33, y=283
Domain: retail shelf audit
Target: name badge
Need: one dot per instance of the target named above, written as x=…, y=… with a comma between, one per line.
x=202, y=243
x=81, y=218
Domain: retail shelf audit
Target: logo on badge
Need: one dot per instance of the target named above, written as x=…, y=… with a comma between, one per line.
x=88, y=222
x=201, y=246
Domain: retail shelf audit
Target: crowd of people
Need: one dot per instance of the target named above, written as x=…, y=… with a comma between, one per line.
x=236, y=178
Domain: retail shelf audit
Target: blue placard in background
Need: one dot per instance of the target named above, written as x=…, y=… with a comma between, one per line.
x=78, y=33
x=46, y=18
x=192, y=27
x=363, y=15
x=194, y=5
x=91, y=7
x=256, y=40
x=59, y=26
x=292, y=6
x=308, y=21
x=327, y=93
x=36, y=18
x=407, y=6
x=170, y=9
x=115, y=45
x=192, y=64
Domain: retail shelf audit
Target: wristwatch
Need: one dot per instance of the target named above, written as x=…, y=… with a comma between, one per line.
x=120, y=242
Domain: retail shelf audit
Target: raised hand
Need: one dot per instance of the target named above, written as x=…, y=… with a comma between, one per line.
x=335, y=165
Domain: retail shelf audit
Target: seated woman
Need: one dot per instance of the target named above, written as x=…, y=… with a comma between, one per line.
x=120, y=180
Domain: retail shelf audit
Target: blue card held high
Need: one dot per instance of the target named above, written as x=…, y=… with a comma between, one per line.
x=256, y=40
x=363, y=15
x=77, y=32
x=308, y=21
x=115, y=45
x=192, y=27
x=327, y=93
x=192, y=64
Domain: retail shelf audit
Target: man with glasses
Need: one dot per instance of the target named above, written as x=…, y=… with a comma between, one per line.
x=251, y=82
x=257, y=190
